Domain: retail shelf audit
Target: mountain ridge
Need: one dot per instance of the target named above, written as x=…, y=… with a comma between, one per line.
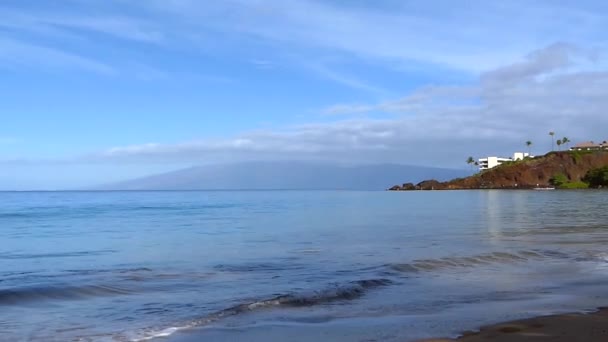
x=285, y=175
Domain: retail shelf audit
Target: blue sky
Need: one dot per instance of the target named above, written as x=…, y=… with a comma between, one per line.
x=98, y=91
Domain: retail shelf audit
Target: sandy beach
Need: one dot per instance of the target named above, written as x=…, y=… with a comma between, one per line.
x=591, y=327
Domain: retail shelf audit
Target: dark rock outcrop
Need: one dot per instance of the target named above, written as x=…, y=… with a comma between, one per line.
x=404, y=187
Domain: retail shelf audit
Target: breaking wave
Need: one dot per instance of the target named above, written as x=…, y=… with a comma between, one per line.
x=335, y=293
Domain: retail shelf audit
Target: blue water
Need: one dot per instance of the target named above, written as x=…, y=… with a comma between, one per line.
x=130, y=266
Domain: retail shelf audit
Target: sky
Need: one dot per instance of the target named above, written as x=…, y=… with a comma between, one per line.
x=96, y=91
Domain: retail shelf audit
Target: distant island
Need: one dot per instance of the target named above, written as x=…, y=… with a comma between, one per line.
x=574, y=169
x=285, y=175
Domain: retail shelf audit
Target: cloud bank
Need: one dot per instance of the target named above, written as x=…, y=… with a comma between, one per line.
x=557, y=88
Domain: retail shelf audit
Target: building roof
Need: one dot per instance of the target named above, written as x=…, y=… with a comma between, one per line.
x=586, y=144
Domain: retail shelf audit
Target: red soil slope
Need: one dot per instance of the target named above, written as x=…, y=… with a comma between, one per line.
x=523, y=174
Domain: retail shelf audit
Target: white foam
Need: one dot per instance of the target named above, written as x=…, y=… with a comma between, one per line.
x=162, y=333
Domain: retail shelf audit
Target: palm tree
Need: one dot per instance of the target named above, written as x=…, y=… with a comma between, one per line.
x=552, y=134
x=565, y=140
x=529, y=144
x=559, y=143
x=471, y=162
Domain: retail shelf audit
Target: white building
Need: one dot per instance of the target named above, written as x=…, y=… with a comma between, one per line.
x=490, y=162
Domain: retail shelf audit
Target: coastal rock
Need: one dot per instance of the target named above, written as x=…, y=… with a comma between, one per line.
x=408, y=186
x=430, y=184
x=525, y=174
x=404, y=187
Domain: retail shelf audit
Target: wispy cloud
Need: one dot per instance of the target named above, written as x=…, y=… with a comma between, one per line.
x=17, y=54
x=117, y=26
x=341, y=109
x=397, y=35
x=463, y=37
x=57, y=39
x=71, y=21
x=263, y=63
x=350, y=81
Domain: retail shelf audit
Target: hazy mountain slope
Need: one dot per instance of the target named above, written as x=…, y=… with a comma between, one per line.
x=285, y=175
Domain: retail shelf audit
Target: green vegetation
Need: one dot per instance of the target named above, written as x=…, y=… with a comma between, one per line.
x=471, y=161
x=565, y=141
x=597, y=177
x=574, y=185
x=558, y=180
x=511, y=163
x=529, y=144
x=561, y=181
x=505, y=164
x=578, y=155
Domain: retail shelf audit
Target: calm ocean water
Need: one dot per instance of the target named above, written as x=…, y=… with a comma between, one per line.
x=282, y=265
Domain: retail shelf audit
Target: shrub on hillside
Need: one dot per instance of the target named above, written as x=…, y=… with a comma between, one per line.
x=597, y=177
x=558, y=180
x=574, y=185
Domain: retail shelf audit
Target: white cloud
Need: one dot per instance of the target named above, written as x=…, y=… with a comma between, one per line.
x=341, y=109
x=433, y=125
x=555, y=57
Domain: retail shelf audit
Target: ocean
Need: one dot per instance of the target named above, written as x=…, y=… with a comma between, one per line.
x=294, y=265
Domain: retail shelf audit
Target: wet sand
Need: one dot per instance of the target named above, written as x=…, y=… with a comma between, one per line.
x=591, y=327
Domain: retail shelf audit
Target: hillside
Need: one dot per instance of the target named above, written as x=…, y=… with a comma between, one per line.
x=524, y=174
x=296, y=175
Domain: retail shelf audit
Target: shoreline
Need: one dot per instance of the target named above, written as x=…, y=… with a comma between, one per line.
x=573, y=327
x=579, y=326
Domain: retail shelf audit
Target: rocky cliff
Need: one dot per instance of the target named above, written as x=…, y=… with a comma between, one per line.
x=524, y=174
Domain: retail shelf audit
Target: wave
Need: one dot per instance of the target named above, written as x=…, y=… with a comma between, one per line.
x=427, y=265
x=40, y=212
x=258, y=267
x=15, y=256
x=112, y=270
x=350, y=291
x=34, y=294
x=18, y=278
x=182, y=207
